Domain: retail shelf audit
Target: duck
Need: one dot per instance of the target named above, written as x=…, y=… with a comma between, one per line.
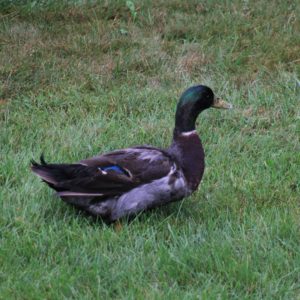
x=126, y=182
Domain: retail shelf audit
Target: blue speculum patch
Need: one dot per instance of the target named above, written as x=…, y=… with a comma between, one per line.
x=114, y=168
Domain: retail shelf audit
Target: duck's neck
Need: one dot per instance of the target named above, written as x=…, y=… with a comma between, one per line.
x=185, y=118
x=188, y=150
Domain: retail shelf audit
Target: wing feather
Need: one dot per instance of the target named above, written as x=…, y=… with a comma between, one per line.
x=142, y=165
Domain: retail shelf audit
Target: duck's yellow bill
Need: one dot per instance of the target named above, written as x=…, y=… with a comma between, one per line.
x=219, y=103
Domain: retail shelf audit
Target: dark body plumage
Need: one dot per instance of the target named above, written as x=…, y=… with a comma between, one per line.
x=128, y=181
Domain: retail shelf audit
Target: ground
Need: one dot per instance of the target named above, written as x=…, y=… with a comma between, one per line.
x=78, y=78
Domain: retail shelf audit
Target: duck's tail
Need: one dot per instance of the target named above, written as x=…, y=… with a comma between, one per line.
x=55, y=175
x=81, y=180
x=69, y=180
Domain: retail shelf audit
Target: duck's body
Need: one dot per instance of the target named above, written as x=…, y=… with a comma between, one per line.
x=126, y=182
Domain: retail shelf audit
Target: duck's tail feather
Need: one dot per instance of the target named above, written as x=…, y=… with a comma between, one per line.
x=44, y=171
x=69, y=193
x=55, y=174
x=80, y=180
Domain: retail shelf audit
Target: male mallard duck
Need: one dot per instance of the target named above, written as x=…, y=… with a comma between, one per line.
x=128, y=181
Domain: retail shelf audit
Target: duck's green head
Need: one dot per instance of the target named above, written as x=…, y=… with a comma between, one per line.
x=192, y=102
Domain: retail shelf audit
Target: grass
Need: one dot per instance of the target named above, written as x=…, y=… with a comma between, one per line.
x=79, y=78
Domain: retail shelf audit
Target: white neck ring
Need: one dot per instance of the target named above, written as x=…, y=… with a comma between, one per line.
x=188, y=133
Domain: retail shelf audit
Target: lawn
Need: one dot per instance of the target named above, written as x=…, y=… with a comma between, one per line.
x=78, y=78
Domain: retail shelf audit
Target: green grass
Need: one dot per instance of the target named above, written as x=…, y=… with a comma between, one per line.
x=80, y=79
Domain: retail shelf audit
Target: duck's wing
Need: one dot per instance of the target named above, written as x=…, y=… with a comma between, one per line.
x=141, y=163
x=106, y=175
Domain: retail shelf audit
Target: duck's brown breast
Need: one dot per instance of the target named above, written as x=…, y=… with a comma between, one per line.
x=188, y=149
